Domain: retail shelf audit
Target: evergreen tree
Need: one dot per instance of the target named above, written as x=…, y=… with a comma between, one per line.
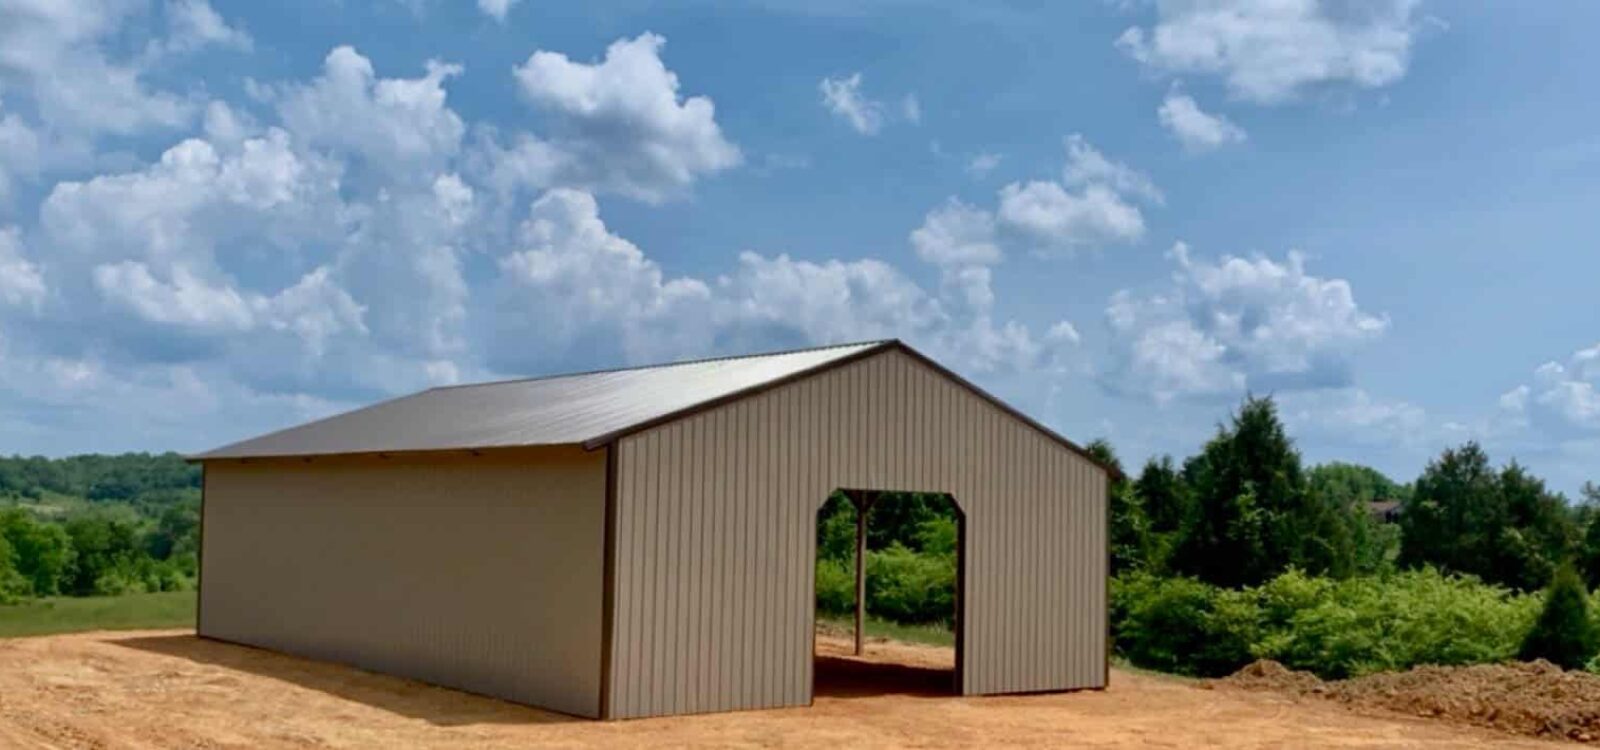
x=1538, y=533
x=1163, y=495
x=1451, y=509
x=1253, y=516
x=1464, y=517
x=1129, y=528
x=1565, y=632
x=1589, y=549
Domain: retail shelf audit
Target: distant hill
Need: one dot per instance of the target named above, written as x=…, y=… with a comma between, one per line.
x=96, y=477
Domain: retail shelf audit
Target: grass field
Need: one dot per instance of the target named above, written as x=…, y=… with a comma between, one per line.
x=172, y=609
x=932, y=635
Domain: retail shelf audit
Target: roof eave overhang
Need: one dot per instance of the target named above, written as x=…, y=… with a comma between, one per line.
x=212, y=457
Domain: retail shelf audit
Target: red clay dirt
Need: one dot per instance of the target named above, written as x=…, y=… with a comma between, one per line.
x=1537, y=698
x=168, y=689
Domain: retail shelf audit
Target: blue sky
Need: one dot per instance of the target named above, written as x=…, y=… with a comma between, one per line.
x=218, y=219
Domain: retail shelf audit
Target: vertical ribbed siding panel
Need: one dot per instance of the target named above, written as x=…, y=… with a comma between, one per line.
x=715, y=591
x=717, y=669
x=622, y=579
x=320, y=559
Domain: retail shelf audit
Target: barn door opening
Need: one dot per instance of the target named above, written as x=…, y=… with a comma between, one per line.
x=889, y=586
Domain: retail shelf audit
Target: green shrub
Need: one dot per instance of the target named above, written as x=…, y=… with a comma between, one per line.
x=1182, y=625
x=1448, y=619
x=908, y=587
x=1333, y=628
x=1371, y=624
x=43, y=551
x=836, y=587
x=13, y=587
x=938, y=536
x=1564, y=633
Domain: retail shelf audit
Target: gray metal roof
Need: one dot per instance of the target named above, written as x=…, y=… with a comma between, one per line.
x=584, y=408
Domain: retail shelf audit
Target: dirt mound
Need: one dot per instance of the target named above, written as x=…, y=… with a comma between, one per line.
x=1533, y=698
x=1267, y=674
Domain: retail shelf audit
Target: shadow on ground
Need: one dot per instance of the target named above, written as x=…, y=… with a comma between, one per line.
x=844, y=677
x=436, y=705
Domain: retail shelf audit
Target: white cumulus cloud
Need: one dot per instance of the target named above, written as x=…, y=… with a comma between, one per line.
x=573, y=284
x=194, y=24
x=21, y=283
x=1092, y=205
x=957, y=234
x=1052, y=215
x=403, y=125
x=60, y=56
x=1270, y=50
x=574, y=292
x=497, y=9
x=1196, y=129
x=1562, y=397
x=980, y=165
x=1223, y=326
x=618, y=125
x=349, y=235
x=843, y=97
x=1353, y=415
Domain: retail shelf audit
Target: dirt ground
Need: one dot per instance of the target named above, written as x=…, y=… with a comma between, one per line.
x=1536, y=698
x=168, y=689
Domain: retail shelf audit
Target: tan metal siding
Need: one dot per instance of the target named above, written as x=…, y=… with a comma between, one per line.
x=480, y=573
x=742, y=483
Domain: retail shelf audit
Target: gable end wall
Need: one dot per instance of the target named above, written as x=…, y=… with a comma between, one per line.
x=715, y=537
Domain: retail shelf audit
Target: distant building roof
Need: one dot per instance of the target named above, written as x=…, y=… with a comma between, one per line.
x=1384, y=510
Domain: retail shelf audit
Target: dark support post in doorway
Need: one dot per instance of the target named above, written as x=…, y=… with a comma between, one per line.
x=861, y=574
x=863, y=503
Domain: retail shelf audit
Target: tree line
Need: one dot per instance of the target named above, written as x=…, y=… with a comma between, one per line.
x=91, y=525
x=1241, y=552
x=1244, y=510
x=96, y=477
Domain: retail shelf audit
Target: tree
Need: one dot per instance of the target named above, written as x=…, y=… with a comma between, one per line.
x=1538, y=534
x=1589, y=549
x=1451, y=510
x=12, y=585
x=43, y=552
x=108, y=552
x=1354, y=483
x=897, y=516
x=1252, y=515
x=836, y=530
x=97, y=477
x=176, y=532
x=1464, y=517
x=1129, y=529
x=1565, y=633
x=1350, y=489
x=1163, y=494
x=1167, y=503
